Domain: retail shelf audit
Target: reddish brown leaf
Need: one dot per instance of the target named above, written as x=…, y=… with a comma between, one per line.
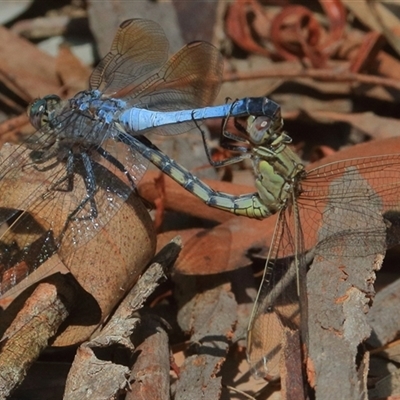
x=206, y=252
x=105, y=267
x=320, y=152
x=367, y=52
x=336, y=13
x=73, y=74
x=237, y=26
x=17, y=53
x=296, y=33
x=179, y=199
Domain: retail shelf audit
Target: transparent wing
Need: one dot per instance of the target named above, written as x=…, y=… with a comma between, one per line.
x=277, y=302
x=136, y=70
x=131, y=160
x=66, y=190
x=44, y=210
x=324, y=190
x=112, y=190
x=139, y=49
x=191, y=78
x=340, y=204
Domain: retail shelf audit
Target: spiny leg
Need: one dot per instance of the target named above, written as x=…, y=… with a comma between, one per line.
x=227, y=161
x=89, y=180
x=111, y=159
x=69, y=177
x=90, y=184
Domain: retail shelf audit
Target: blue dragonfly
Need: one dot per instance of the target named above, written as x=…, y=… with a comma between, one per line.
x=135, y=89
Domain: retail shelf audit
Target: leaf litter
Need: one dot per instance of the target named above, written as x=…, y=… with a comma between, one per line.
x=333, y=68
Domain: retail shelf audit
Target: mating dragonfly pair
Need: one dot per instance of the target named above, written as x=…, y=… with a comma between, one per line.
x=135, y=90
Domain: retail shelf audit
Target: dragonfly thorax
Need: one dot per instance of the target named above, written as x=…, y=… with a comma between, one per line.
x=277, y=169
x=84, y=121
x=93, y=104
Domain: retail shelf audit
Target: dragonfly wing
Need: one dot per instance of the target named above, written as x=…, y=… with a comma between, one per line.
x=352, y=209
x=139, y=49
x=111, y=191
x=49, y=203
x=276, y=305
x=131, y=161
x=190, y=79
x=25, y=202
x=376, y=179
x=44, y=211
x=342, y=207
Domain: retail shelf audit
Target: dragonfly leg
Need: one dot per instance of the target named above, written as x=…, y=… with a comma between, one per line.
x=90, y=184
x=225, y=134
x=110, y=158
x=227, y=161
x=230, y=135
x=40, y=157
x=43, y=169
x=69, y=177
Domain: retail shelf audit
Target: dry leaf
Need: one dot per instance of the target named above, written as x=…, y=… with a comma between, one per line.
x=105, y=262
x=17, y=53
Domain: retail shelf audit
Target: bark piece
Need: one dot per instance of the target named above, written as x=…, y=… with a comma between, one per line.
x=37, y=322
x=340, y=288
x=92, y=378
x=384, y=316
x=211, y=317
x=150, y=377
x=95, y=376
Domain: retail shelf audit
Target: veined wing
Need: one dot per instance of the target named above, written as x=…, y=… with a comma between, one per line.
x=191, y=78
x=376, y=179
x=48, y=210
x=277, y=303
x=338, y=203
x=140, y=48
x=136, y=70
x=75, y=196
x=352, y=242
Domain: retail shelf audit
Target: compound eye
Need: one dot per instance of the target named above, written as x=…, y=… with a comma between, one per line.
x=39, y=110
x=35, y=112
x=259, y=129
x=263, y=123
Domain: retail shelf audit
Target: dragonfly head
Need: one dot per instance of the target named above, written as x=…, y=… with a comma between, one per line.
x=40, y=111
x=263, y=130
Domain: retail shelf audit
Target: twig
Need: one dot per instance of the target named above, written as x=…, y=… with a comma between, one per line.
x=333, y=75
